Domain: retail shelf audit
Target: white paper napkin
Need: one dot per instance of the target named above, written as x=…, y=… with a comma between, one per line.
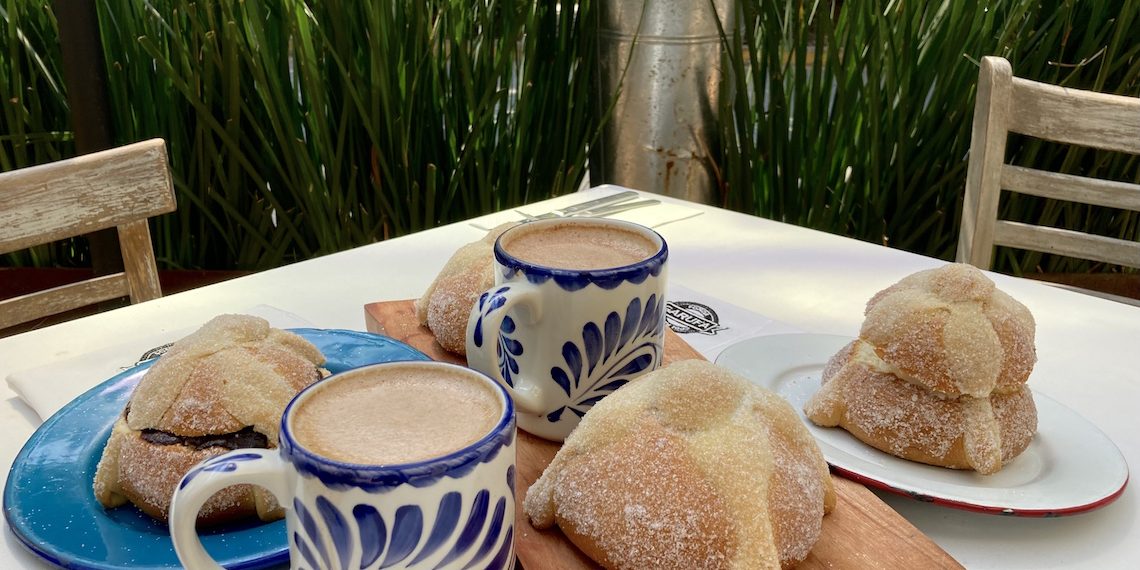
x=710, y=324
x=649, y=216
x=48, y=388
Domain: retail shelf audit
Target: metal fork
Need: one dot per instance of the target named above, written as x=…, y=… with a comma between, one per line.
x=604, y=206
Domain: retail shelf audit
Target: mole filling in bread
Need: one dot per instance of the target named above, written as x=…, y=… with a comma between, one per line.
x=246, y=438
x=221, y=388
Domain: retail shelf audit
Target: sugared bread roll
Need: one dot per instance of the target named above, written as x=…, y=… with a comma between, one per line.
x=862, y=396
x=222, y=387
x=691, y=466
x=446, y=304
x=952, y=331
x=938, y=373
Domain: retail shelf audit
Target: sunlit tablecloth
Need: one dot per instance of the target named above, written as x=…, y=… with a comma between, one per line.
x=809, y=280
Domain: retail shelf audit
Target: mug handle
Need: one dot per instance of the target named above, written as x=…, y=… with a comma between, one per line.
x=263, y=467
x=490, y=348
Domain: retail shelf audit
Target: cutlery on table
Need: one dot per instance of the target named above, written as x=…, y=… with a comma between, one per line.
x=578, y=209
x=606, y=206
x=615, y=208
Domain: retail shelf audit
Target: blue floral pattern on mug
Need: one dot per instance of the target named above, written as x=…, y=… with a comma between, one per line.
x=477, y=529
x=507, y=348
x=561, y=339
x=225, y=463
x=609, y=355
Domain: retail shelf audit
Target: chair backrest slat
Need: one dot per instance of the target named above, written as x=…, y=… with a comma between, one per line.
x=1075, y=116
x=1068, y=242
x=62, y=299
x=80, y=195
x=1045, y=184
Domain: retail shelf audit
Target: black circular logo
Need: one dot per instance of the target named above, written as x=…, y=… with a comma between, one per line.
x=686, y=317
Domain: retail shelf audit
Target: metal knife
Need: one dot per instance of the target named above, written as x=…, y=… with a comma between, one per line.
x=605, y=200
x=609, y=209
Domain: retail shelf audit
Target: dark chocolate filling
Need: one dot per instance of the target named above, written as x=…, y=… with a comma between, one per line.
x=246, y=438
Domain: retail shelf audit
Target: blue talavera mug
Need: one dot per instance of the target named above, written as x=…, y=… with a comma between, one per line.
x=560, y=339
x=456, y=510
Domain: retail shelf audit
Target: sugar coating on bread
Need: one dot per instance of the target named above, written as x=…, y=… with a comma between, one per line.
x=447, y=302
x=862, y=395
x=691, y=466
x=952, y=331
x=654, y=487
x=233, y=373
x=107, y=489
x=149, y=474
x=260, y=370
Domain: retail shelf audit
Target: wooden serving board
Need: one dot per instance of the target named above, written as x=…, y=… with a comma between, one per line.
x=862, y=531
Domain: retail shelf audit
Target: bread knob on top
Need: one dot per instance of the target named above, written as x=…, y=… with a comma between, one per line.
x=223, y=387
x=952, y=331
x=691, y=466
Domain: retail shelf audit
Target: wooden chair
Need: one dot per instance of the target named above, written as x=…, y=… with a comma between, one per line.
x=119, y=188
x=1007, y=104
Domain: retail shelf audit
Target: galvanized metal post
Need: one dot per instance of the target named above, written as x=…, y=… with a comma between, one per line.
x=85, y=76
x=662, y=60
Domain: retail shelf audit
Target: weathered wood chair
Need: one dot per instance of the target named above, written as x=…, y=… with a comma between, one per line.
x=119, y=188
x=1007, y=104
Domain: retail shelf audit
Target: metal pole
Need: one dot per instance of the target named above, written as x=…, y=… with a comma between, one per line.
x=84, y=76
x=662, y=59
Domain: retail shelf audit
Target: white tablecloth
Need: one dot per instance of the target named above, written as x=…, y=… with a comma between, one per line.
x=812, y=281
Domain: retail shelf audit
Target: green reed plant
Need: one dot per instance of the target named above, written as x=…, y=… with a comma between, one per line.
x=297, y=129
x=301, y=128
x=34, y=126
x=855, y=117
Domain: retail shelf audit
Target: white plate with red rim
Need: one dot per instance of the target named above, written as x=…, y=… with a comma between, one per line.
x=1070, y=466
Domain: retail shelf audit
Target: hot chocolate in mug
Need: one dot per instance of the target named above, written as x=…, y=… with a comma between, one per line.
x=576, y=312
x=394, y=465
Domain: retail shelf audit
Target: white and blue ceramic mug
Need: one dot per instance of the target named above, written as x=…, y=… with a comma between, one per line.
x=567, y=323
x=452, y=509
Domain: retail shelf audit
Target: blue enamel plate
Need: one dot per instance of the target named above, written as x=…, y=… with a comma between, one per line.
x=51, y=507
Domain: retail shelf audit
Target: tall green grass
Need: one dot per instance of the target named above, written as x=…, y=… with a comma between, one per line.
x=855, y=118
x=298, y=129
x=34, y=125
